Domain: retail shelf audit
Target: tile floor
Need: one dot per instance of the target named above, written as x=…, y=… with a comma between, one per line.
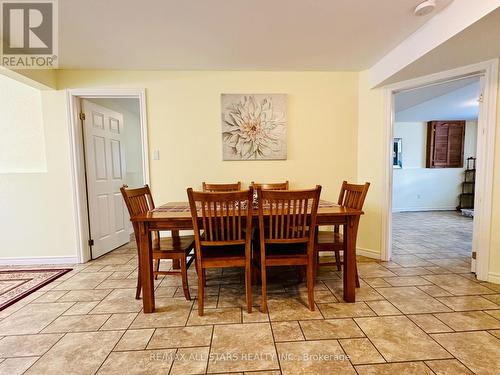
x=421, y=313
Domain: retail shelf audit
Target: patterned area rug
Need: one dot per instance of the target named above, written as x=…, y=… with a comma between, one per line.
x=17, y=284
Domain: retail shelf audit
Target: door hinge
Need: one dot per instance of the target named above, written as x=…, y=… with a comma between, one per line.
x=481, y=98
x=474, y=254
x=91, y=242
x=82, y=116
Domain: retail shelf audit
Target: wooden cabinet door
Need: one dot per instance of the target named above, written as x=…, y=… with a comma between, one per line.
x=445, y=144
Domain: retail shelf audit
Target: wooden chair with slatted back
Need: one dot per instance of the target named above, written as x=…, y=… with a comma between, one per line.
x=140, y=201
x=226, y=221
x=270, y=186
x=352, y=196
x=287, y=222
x=221, y=187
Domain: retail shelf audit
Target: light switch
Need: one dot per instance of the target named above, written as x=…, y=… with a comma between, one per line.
x=156, y=154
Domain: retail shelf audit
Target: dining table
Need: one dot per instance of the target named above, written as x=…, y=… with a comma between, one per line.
x=176, y=216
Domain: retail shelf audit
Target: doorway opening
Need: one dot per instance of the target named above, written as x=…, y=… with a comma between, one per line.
x=487, y=73
x=435, y=140
x=109, y=147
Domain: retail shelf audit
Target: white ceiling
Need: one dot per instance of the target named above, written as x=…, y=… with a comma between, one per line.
x=456, y=100
x=233, y=34
x=479, y=42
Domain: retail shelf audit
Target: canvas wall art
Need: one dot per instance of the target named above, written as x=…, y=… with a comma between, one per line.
x=254, y=126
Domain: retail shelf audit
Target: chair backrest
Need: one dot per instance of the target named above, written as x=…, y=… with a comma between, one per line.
x=138, y=201
x=221, y=187
x=290, y=215
x=270, y=186
x=224, y=217
x=352, y=195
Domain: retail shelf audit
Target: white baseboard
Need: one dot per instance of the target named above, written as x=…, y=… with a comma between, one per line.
x=369, y=253
x=413, y=209
x=494, y=278
x=38, y=261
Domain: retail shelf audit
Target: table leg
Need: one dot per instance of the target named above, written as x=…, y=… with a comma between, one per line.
x=175, y=262
x=146, y=253
x=350, y=260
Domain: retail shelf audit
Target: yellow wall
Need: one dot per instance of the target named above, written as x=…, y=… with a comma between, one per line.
x=184, y=122
x=370, y=164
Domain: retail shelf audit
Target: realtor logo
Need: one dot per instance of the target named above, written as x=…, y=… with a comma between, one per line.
x=29, y=34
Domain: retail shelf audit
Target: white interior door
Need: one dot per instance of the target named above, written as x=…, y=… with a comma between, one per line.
x=105, y=171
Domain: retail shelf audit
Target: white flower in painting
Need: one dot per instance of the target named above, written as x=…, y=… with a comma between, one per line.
x=252, y=129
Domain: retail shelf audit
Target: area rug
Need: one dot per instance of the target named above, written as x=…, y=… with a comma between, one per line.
x=17, y=284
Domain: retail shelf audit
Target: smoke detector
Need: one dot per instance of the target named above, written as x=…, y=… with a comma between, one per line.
x=425, y=7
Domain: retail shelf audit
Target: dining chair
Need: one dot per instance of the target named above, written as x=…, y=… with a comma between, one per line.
x=221, y=187
x=139, y=201
x=222, y=223
x=270, y=186
x=287, y=222
x=352, y=196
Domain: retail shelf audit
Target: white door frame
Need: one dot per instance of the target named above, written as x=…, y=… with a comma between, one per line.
x=78, y=162
x=485, y=157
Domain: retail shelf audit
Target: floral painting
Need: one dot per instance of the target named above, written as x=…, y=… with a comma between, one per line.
x=254, y=126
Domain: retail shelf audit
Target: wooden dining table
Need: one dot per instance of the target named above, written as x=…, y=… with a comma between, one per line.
x=175, y=216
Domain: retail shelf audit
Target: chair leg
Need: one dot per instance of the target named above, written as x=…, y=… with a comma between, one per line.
x=310, y=285
x=357, y=277
x=263, y=307
x=201, y=285
x=185, y=285
x=248, y=286
x=204, y=275
x=157, y=268
x=337, y=260
x=139, y=284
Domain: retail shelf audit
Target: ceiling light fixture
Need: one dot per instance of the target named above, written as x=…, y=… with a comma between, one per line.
x=425, y=7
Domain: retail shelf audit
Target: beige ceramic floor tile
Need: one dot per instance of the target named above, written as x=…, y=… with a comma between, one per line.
x=494, y=313
x=242, y=347
x=81, y=308
x=469, y=320
x=448, y=366
x=32, y=318
x=330, y=329
x=287, y=331
x=16, y=366
x=398, y=339
x=119, y=322
x=402, y=292
x=119, y=301
x=493, y=298
x=477, y=350
x=181, y=337
x=382, y=308
x=458, y=285
x=76, y=323
x=147, y=362
x=434, y=291
x=83, y=281
x=345, y=310
x=77, y=353
x=50, y=296
x=410, y=368
x=282, y=308
x=223, y=315
x=134, y=339
x=419, y=305
x=466, y=303
x=256, y=316
x=190, y=361
x=84, y=295
x=407, y=281
x=495, y=332
x=361, y=351
x=27, y=345
x=313, y=357
x=169, y=312
x=429, y=323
